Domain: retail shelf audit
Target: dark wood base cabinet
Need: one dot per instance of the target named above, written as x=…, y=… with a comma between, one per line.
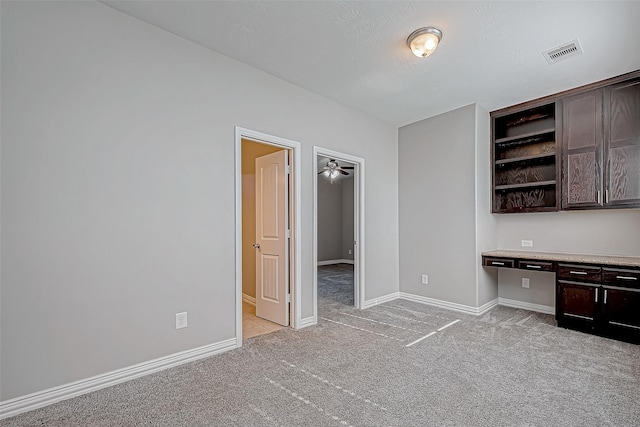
x=601, y=299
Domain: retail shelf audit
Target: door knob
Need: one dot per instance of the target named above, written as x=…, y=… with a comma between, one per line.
x=256, y=245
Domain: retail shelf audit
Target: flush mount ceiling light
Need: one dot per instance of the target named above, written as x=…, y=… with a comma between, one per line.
x=424, y=41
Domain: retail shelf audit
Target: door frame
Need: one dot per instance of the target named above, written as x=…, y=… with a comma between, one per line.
x=295, y=211
x=358, y=225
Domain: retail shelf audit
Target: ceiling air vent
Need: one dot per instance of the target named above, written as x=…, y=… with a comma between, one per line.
x=560, y=53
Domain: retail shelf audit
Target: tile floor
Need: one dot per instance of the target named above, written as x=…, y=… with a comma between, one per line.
x=252, y=325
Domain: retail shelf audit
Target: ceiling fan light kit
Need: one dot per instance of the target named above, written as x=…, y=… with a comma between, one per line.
x=424, y=41
x=333, y=169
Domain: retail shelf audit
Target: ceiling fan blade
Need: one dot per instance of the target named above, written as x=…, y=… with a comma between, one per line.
x=321, y=172
x=343, y=172
x=347, y=167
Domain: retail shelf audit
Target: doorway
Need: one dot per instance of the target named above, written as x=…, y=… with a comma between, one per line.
x=338, y=258
x=267, y=226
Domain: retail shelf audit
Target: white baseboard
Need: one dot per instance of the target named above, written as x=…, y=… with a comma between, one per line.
x=248, y=299
x=546, y=309
x=385, y=298
x=336, y=261
x=18, y=405
x=488, y=306
x=450, y=305
x=307, y=321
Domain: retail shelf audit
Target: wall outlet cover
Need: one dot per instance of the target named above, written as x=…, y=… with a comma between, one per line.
x=527, y=243
x=425, y=279
x=181, y=320
x=525, y=282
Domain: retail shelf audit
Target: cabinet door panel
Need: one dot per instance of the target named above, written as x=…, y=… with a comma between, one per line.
x=582, y=179
x=624, y=174
x=577, y=301
x=621, y=313
x=622, y=140
x=582, y=143
x=580, y=117
x=624, y=112
x=622, y=307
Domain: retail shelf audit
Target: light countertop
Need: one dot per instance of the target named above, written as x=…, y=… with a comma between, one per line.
x=620, y=261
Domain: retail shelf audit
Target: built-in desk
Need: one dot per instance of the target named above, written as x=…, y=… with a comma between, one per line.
x=594, y=293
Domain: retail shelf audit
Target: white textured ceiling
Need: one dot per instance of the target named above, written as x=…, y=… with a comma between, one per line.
x=355, y=52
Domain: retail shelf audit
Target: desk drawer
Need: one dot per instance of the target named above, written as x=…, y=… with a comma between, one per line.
x=579, y=272
x=621, y=277
x=498, y=262
x=535, y=265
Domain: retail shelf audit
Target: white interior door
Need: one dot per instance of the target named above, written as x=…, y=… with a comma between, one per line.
x=272, y=249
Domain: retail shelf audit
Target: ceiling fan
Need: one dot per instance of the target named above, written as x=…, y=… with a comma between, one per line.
x=333, y=169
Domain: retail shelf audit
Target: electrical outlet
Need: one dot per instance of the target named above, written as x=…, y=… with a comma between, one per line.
x=425, y=279
x=349, y=251
x=527, y=243
x=181, y=320
x=525, y=282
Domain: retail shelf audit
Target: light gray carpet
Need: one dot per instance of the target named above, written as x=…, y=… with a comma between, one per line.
x=506, y=368
x=335, y=286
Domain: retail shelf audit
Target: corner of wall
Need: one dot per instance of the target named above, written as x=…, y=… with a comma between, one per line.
x=485, y=227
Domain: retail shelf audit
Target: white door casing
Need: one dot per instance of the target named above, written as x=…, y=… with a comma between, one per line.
x=271, y=246
x=358, y=229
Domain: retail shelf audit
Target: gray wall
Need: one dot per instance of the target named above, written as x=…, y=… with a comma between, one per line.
x=486, y=225
x=347, y=217
x=329, y=219
x=118, y=191
x=250, y=151
x=437, y=206
x=614, y=232
x=335, y=218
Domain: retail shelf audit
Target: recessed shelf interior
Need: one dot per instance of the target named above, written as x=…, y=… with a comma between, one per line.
x=524, y=163
x=518, y=186
x=532, y=120
x=539, y=158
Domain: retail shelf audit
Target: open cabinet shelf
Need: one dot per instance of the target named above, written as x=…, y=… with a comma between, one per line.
x=524, y=159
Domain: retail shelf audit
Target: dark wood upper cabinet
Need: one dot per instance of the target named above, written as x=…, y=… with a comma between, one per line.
x=579, y=149
x=622, y=144
x=582, y=150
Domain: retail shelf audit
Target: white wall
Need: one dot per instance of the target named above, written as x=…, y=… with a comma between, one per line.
x=117, y=189
x=437, y=192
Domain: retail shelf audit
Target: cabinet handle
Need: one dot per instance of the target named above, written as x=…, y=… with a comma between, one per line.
x=596, y=294
x=605, y=296
x=533, y=266
x=599, y=196
x=497, y=263
x=606, y=196
x=626, y=278
x=624, y=324
x=581, y=273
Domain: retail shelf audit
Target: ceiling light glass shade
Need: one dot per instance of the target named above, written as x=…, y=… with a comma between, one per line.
x=424, y=41
x=327, y=172
x=334, y=174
